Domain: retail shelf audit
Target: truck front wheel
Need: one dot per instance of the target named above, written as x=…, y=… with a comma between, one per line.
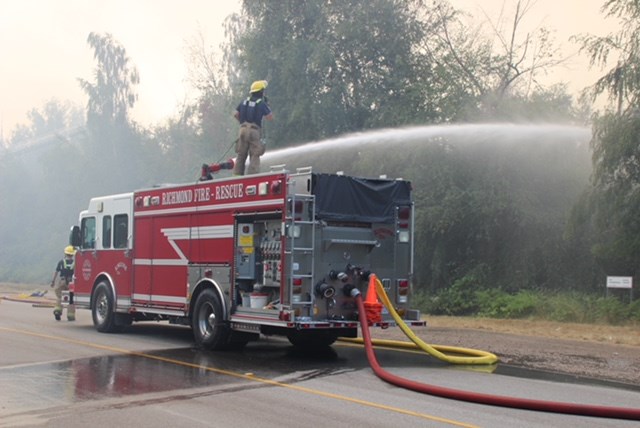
x=102, y=310
x=209, y=327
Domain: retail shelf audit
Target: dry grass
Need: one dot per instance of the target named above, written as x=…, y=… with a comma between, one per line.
x=611, y=334
x=11, y=287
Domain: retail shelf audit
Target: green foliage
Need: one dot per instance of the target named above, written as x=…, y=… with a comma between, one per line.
x=465, y=298
x=614, y=198
x=610, y=310
x=634, y=311
x=319, y=84
x=587, y=308
x=495, y=303
x=566, y=307
x=337, y=67
x=490, y=206
x=48, y=179
x=112, y=93
x=607, y=214
x=621, y=82
x=459, y=299
x=53, y=118
x=114, y=143
x=485, y=74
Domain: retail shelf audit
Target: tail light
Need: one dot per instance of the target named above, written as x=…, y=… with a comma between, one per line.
x=276, y=187
x=403, y=223
x=296, y=208
x=402, y=290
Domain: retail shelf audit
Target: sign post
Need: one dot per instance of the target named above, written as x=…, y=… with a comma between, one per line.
x=624, y=282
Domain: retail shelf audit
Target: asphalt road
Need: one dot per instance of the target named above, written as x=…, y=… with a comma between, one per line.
x=65, y=374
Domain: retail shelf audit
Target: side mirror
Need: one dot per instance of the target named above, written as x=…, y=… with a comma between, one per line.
x=74, y=237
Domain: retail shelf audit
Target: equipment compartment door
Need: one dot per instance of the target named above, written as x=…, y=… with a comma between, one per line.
x=143, y=262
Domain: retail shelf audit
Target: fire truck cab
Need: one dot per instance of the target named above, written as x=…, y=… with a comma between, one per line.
x=276, y=253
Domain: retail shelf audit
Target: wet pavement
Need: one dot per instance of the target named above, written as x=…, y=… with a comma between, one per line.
x=121, y=375
x=65, y=374
x=525, y=373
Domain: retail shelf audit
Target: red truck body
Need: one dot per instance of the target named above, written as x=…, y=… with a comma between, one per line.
x=272, y=253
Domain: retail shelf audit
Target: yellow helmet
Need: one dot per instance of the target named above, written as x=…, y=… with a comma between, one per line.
x=69, y=250
x=258, y=86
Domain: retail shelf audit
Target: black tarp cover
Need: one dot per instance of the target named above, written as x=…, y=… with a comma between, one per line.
x=343, y=198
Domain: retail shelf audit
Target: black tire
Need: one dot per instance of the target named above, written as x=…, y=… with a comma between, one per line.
x=210, y=329
x=102, y=310
x=312, y=339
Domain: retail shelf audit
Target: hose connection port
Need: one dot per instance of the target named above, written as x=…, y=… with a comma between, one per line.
x=324, y=290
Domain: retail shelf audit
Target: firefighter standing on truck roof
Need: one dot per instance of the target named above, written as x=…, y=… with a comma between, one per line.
x=64, y=274
x=250, y=113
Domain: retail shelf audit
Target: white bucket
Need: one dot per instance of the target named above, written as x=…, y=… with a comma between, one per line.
x=246, y=300
x=258, y=300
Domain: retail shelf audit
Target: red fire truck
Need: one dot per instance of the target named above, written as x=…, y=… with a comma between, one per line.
x=275, y=253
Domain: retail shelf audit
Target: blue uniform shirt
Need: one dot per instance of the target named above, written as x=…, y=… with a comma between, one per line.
x=253, y=111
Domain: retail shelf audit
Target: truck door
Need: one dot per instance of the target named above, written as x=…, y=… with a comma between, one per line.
x=143, y=268
x=116, y=240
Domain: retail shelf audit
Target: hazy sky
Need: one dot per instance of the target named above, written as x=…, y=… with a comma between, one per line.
x=565, y=18
x=44, y=49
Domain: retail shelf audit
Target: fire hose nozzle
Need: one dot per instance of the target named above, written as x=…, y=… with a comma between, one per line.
x=333, y=275
x=325, y=290
x=208, y=170
x=351, y=290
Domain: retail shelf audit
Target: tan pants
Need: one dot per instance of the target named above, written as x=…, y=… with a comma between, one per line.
x=248, y=144
x=62, y=285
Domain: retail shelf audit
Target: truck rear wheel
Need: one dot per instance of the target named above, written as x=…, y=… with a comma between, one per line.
x=102, y=310
x=209, y=328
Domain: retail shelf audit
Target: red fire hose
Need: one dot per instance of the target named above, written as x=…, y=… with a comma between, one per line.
x=494, y=400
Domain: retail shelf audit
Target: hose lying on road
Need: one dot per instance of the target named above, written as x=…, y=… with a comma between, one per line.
x=494, y=400
x=464, y=355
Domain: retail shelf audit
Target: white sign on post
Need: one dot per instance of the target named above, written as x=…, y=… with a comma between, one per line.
x=619, y=282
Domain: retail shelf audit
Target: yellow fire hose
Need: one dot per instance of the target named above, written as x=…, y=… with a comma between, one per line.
x=465, y=355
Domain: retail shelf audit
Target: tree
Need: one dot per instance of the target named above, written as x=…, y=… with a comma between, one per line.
x=209, y=122
x=115, y=144
x=38, y=182
x=621, y=82
x=609, y=211
x=338, y=67
x=112, y=93
x=54, y=118
x=486, y=74
x=333, y=67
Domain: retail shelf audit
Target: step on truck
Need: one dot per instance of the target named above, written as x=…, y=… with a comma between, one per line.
x=275, y=253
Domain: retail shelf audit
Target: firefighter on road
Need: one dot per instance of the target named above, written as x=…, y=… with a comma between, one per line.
x=250, y=113
x=64, y=275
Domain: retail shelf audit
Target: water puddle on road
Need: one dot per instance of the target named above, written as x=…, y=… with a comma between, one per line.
x=59, y=383
x=44, y=385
